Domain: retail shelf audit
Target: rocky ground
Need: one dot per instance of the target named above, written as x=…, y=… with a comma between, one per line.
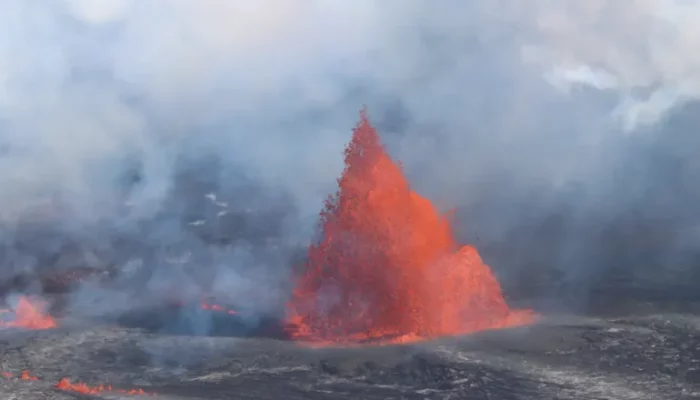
x=642, y=357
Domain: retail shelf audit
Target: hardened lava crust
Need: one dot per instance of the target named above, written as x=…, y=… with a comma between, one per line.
x=651, y=357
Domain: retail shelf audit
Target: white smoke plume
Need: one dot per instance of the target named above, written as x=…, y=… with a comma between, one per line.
x=504, y=99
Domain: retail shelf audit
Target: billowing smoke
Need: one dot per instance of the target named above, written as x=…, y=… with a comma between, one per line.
x=189, y=145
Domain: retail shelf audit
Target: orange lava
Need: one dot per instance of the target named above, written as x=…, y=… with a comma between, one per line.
x=65, y=384
x=387, y=268
x=27, y=314
x=26, y=376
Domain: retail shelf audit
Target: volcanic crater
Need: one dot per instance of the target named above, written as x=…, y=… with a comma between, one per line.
x=387, y=305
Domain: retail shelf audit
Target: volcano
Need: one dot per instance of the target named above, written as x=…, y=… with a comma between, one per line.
x=386, y=267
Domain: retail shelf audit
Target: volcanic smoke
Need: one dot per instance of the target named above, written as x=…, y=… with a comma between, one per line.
x=386, y=267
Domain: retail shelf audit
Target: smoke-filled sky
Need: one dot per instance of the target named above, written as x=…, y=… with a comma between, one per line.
x=512, y=110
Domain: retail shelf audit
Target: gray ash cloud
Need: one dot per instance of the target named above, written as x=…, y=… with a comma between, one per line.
x=563, y=135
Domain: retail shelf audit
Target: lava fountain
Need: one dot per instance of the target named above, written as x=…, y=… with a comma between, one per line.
x=28, y=313
x=386, y=267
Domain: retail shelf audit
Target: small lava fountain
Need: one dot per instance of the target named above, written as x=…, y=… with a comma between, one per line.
x=386, y=267
x=28, y=313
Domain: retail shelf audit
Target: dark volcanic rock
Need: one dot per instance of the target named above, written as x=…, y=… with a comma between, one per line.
x=654, y=357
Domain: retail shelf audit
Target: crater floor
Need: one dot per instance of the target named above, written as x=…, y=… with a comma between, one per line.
x=643, y=357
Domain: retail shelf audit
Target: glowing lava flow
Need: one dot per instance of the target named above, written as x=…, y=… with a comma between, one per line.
x=386, y=267
x=27, y=314
x=26, y=376
x=65, y=384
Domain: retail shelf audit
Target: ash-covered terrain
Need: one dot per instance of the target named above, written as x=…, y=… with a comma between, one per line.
x=638, y=357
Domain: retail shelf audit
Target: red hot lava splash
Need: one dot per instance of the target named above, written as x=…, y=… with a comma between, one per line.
x=27, y=314
x=387, y=267
x=26, y=376
x=82, y=388
x=65, y=384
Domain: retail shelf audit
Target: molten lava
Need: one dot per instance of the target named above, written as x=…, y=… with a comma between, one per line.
x=386, y=267
x=26, y=376
x=27, y=314
x=65, y=384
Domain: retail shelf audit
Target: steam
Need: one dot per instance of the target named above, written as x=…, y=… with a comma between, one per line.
x=642, y=50
x=118, y=117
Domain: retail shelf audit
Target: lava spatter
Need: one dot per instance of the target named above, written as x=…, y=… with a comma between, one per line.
x=28, y=313
x=26, y=376
x=386, y=267
x=66, y=385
